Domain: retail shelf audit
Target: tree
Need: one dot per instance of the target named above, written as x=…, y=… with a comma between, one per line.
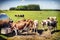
x=33, y=7
x=22, y=7
x=28, y=7
x=12, y=8
x=1, y=11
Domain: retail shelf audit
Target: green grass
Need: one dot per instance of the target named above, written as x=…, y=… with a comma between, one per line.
x=3, y=36
x=39, y=15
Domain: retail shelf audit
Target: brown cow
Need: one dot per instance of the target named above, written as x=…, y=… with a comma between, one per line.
x=22, y=25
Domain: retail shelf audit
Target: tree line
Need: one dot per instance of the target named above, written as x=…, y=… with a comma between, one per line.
x=26, y=7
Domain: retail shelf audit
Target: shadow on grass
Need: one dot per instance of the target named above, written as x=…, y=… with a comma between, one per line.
x=55, y=31
x=13, y=33
x=40, y=31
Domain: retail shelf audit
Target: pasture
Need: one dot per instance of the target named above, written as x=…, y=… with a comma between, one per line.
x=39, y=15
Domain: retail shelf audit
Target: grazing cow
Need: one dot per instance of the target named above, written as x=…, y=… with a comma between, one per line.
x=22, y=25
x=15, y=15
x=19, y=15
x=35, y=27
x=51, y=22
x=18, y=26
x=44, y=23
x=29, y=25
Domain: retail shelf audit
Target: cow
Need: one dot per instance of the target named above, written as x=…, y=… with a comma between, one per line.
x=53, y=20
x=44, y=23
x=22, y=25
x=19, y=15
x=29, y=25
x=51, y=23
x=15, y=15
x=35, y=27
x=16, y=26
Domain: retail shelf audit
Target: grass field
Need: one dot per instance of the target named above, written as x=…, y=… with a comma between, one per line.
x=39, y=15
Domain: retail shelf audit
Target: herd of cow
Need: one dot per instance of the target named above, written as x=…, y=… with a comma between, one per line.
x=29, y=25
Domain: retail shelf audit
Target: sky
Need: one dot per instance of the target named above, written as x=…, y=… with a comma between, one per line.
x=44, y=4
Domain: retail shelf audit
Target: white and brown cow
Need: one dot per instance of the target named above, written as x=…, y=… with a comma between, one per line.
x=35, y=26
x=22, y=25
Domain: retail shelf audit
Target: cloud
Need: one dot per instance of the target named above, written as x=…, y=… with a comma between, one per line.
x=43, y=4
x=22, y=0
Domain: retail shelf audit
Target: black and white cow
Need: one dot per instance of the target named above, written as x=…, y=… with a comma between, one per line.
x=51, y=22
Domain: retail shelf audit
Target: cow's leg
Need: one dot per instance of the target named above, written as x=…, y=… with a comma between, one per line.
x=34, y=29
x=55, y=27
x=28, y=29
x=15, y=31
x=43, y=27
x=50, y=28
